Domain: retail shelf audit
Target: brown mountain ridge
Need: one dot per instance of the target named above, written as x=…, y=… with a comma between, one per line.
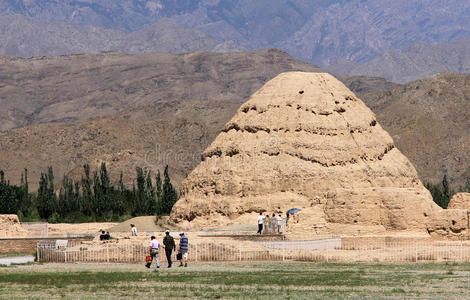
x=74, y=88
x=429, y=120
x=146, y=110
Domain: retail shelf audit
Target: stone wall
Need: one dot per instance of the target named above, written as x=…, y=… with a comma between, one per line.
x=28, y=245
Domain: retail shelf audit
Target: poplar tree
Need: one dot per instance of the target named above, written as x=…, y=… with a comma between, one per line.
x=150, y=195
x=46, y=199
x=169, y=196
x=140, y=196
x=86, y=203
x=159, y=193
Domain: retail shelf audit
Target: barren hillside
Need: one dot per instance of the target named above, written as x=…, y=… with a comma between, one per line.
x=173, y=133
x=74, y=88
x=128, y=111
x=429, y=121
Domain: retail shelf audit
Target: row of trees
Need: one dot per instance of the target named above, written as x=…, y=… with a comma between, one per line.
x=93, y=198
x=14, y=198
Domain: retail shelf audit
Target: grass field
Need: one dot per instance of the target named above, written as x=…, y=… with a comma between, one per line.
x=258, y=280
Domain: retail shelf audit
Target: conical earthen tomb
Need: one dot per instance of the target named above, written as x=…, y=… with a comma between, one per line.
x=306, y=141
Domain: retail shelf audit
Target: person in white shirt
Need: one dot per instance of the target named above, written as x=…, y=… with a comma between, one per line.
x=260, y=223
x=133, y=230
x=154, y=249
x=279, y=223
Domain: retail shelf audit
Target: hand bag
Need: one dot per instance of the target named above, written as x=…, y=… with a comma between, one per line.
x=179, y=256
x=148, y=259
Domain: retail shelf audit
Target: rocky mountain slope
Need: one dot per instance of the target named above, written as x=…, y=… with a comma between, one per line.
x=81, y=87
x=26, y=37
x=429, y=121
x=173, y=133
x=364, y=84
x=415, y=62
x=319, y=31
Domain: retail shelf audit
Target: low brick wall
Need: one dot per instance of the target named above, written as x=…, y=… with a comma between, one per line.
x=28, y=245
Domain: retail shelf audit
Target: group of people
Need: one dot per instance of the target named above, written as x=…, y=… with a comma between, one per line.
x=169, y=245
x=104, y=236
x=268, y=224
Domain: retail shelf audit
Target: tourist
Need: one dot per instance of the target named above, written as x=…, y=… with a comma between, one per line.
x=279, y=223
x=102, y=235
x=169, y=245
x=273, y=223
x=266, y=224
x=154, y=249
x=183, y=250
x=133, y=230
x=287, y=218
x=260, y=223
x=107, y=236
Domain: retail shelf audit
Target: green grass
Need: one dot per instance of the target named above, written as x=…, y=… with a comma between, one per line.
x=246, y=281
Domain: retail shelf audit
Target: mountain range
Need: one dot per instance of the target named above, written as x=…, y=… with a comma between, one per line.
x=415, y=62
x=319, y=31
x=74, y=88
x=26, y=37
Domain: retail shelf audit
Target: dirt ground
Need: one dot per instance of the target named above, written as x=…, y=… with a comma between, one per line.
x=79, y=228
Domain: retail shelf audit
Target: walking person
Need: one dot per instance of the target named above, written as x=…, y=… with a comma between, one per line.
x=260, y=223
x=183, y=250
x=266, y=224
x=154, y=249
x=169, y=245
x=273, y=223
x=133, y=230
x=279, y=223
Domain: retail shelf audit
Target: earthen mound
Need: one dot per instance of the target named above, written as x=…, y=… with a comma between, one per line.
x=304, y=140
x=460, y=201
x=143, y=224
x=11, y=227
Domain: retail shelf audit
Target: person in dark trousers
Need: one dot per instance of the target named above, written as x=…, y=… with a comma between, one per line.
x=102, y=235
x=169, y=245
x=260, y=223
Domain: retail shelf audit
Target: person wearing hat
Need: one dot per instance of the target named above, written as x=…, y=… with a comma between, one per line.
x=183, y=250
x=169, y=245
